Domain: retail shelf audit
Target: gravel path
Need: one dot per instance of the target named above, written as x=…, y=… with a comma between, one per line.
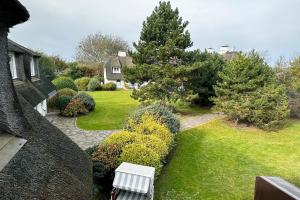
x=85, y=139
x=194, y=121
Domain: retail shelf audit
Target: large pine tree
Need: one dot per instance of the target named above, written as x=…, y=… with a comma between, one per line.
x=247, y=92
x=160, y=55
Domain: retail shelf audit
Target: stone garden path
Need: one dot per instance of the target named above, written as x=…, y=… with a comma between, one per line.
x=85, y=139
x=189, y=122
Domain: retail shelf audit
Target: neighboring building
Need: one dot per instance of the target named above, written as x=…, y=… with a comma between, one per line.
x=113, y=69
x=37, y=160
x=225, y=51
x=24, y=68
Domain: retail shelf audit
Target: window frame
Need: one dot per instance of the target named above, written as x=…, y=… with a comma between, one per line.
x=32, y=67
x=116, y=70
x=12, y=65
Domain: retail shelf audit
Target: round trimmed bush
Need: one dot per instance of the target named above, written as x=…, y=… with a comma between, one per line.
x=94, y=85
x=87, y=99
x=64, y=82
x=82, y=83
x=148, y=125
x=160, y=112
x=108, y=155
x=140, y=154
x=67, y=92
x=123, y=138
x=154, y=143
x=74, y=108
x=109, y=86
x=63, y=101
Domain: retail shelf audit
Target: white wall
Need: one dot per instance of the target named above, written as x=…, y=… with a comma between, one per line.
x=42, y=107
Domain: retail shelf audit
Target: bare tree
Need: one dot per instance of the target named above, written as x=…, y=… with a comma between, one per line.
x=96, y=48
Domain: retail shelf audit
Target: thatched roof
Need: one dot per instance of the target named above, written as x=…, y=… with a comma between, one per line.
x=48, y=166
x=12, y=12
x=118, y=62
x=45, y=86
x=15, y=47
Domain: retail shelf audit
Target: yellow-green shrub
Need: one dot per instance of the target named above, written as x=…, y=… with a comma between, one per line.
x=148, y=125
x=82, y=83
x=140, y=154
x=154, y=143
x=123, y=138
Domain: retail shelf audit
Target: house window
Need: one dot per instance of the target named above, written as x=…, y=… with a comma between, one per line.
x=116, y=70
x=32, y=69
x=12, y=64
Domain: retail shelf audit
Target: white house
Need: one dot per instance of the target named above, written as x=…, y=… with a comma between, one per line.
x=113, y=69
x=24, y=67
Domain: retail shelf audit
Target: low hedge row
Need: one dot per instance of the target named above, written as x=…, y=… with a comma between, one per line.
x=94, y=84
x=146, y=141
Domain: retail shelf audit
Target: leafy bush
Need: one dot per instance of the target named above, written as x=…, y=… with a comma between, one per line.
x=161, y=113
x=248, y=93
x=154, y=143
x=64, y=82
x=99, y=170
x=109, y=86
x=74, y=108
x=123, y=138
x=294, y=104
x=148, y=125
x=53, y=101
x=82, y=83
x=63, y=101
x=100, y=78
x=94, y=85
x=87, y=99
x=108, y=154
x=140, y=154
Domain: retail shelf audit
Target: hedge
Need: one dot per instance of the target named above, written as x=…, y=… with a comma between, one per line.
x=87, y=99
x=64, y=82
x=94, y=85
x=82, y=83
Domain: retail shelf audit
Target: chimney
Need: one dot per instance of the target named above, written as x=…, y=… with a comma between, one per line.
x=210, y=50
x=224, y=49
x=122, y=54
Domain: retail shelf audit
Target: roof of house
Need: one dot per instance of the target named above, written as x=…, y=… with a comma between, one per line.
x=30, y=93
x=45, y=86
x=49, y=165
x=15, y=47
x=118, y=62
x=12, y=12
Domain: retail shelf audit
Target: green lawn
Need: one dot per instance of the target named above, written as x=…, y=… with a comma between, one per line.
x=217, y=161
x=189, y=109
x=112, y=109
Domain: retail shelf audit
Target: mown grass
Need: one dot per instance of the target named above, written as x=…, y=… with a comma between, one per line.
x=219, y=161
x=112, y=109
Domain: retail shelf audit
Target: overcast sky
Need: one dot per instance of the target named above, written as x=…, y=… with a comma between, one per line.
x=56, y=26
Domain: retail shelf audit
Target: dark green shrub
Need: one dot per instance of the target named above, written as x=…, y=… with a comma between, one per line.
x=294, y=104
x=99, y=170
x=248, y=93
x=109, y=86
x=94, y=85
x=82, y=83
x=100, y=78
x=74, y=108
x=87, y=99
x=161, y=113
x=63, y=101
x=64, y=82
x=53, y=101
